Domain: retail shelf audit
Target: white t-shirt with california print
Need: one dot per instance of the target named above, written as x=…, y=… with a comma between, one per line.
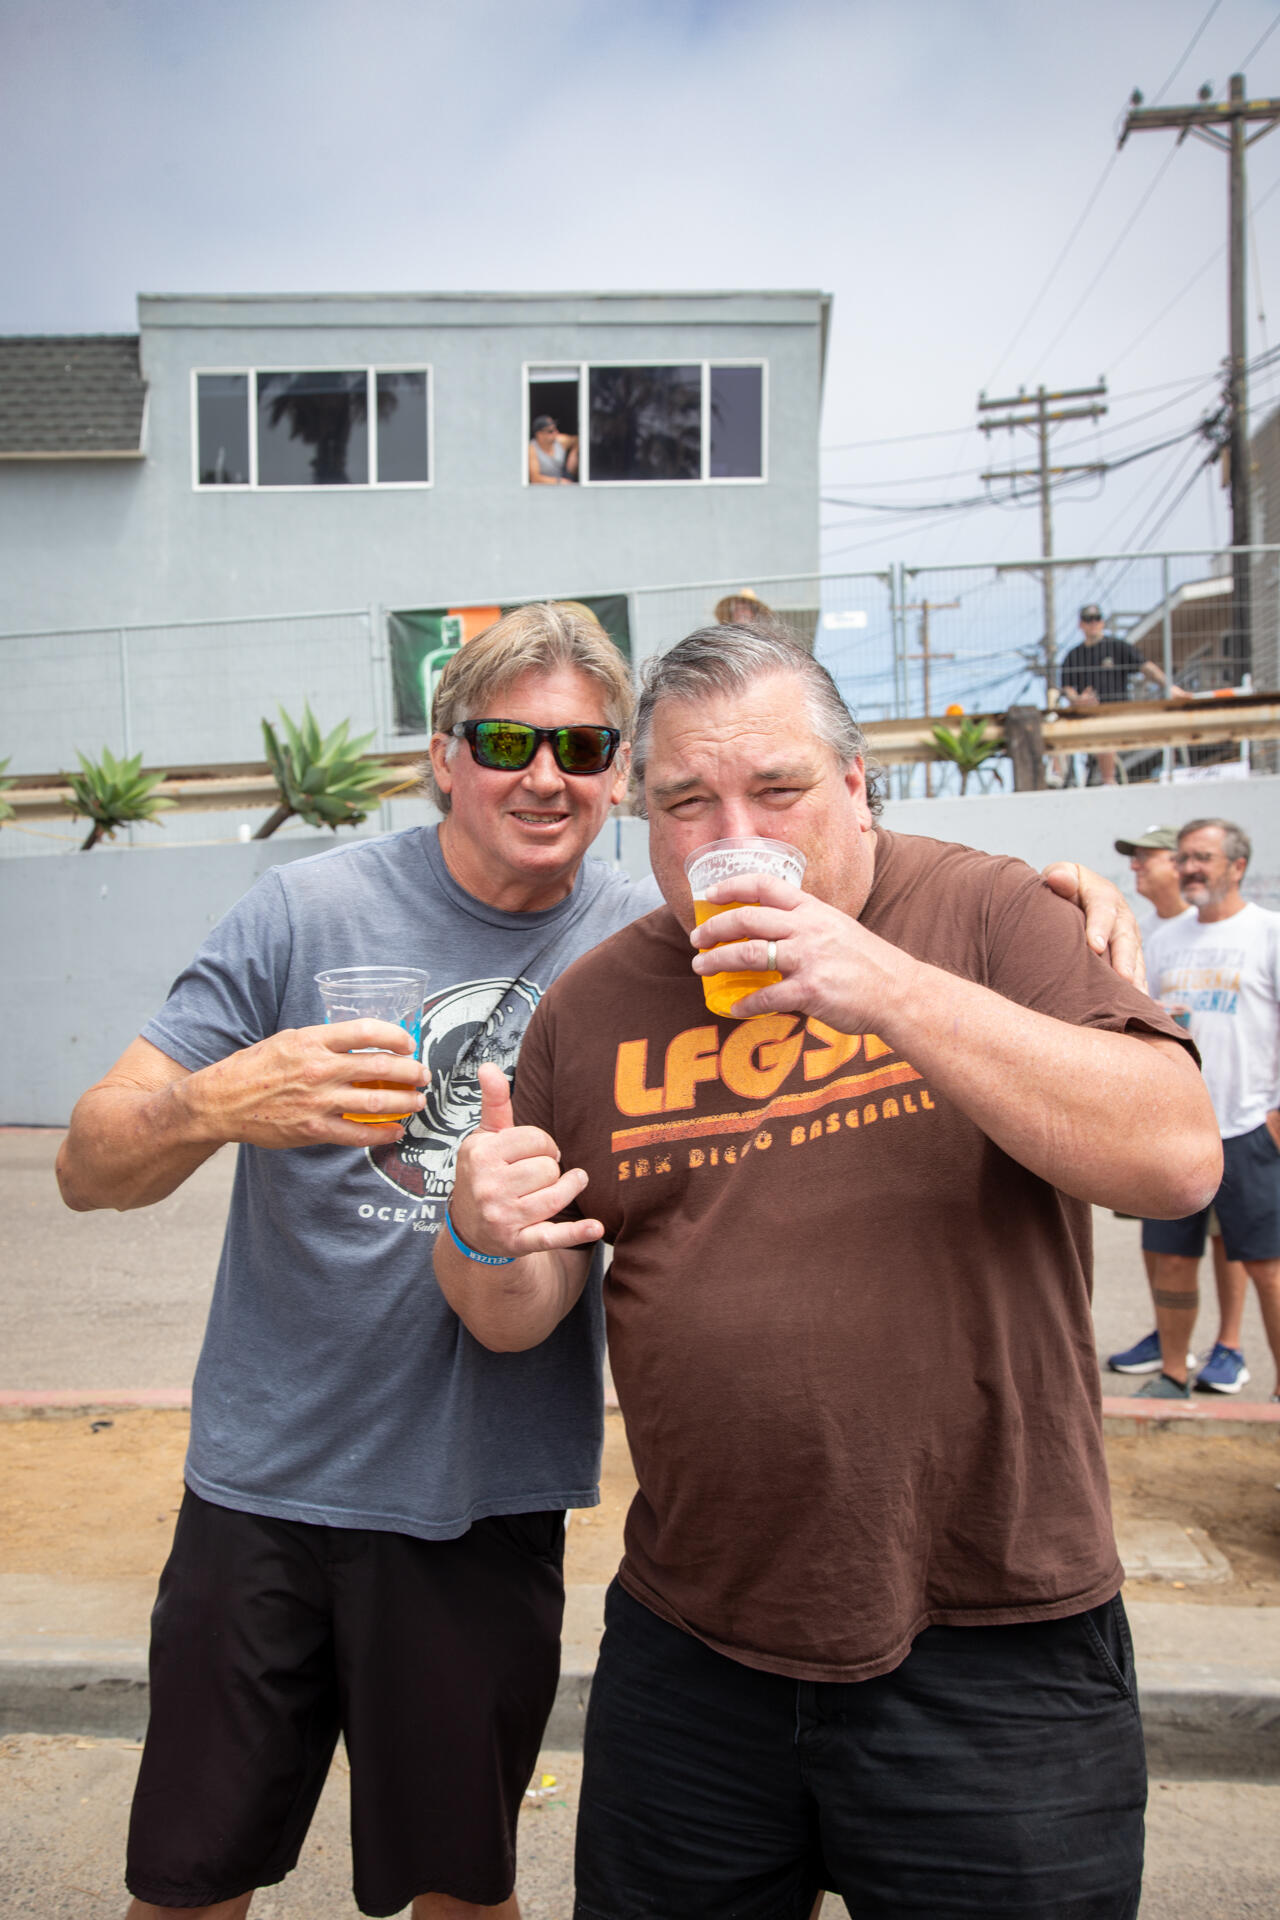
x=1228, y=973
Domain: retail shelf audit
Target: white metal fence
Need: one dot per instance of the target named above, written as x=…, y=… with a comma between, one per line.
x=183, y=694
x=970, y=636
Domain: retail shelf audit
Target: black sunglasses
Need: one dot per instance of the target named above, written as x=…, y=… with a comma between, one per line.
x=507, y=746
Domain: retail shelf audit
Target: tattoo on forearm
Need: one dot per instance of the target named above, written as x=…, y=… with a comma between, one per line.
x=1166, y=1297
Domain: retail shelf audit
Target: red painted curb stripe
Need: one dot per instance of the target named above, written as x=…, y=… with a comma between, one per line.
x=95, y=1397
x=1207, y=1413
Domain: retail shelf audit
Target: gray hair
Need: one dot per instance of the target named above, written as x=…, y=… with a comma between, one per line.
x=1236, y=843
x=728, y=659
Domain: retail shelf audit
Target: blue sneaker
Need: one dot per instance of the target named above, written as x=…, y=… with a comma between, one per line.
x=1144, y=1358
x=1224, y=1371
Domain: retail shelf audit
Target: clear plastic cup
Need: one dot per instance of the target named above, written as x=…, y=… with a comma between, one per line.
x=724, y=860
x=376, y=993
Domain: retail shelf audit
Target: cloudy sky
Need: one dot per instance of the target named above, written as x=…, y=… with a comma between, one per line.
x=947, y=169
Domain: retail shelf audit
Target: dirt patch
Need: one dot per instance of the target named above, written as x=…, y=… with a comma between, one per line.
x=1224, y=1483
x=94, y=1497
x=90, y=1497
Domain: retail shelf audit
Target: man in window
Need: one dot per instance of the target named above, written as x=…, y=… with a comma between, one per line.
x=553, y=456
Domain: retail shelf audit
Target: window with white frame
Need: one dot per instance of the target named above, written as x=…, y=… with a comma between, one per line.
x=338, y=427
x=687, y=421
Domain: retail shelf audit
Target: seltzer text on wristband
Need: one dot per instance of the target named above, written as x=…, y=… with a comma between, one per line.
x=473, y=1253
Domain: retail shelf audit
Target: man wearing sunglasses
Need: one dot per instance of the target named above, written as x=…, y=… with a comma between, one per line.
x=373, y=1527
x=372, y=1533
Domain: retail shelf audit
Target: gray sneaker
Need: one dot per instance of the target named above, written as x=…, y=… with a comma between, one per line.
x=1161, y=1387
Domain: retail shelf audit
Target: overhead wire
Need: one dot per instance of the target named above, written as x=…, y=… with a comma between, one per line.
x=1197, y=276
x=1089, y=205
x=1016, y=495
x=1054, y=270
x=1191, y=46
x=1187, y=381
x=1258, y=45
x=860, y=546
x=1119, y=241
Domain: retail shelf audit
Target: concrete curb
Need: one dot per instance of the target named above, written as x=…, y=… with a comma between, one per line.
x=1121, y=1413
x=1209, y=1723
x=1125, y=1414
x=1200, y=1723
x=33, y=1402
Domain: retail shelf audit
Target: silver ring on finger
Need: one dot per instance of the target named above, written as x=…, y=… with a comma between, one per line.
x=771, y=957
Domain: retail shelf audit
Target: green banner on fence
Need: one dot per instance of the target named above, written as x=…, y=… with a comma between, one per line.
x=423, y=641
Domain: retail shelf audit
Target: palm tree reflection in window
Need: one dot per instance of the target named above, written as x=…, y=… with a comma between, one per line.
x=327, y=413
x=646, y=423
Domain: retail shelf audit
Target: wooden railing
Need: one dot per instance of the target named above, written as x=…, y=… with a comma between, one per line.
x=1211, y=720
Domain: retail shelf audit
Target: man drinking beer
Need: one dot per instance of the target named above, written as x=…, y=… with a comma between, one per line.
x=867, y=1631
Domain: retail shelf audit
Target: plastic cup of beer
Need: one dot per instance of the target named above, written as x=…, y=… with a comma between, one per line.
x=376, y=993
x=724, y=860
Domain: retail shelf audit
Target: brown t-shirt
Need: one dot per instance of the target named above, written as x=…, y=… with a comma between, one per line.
x=851, y=1338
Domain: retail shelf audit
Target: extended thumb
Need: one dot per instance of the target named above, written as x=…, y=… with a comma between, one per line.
x=495, y=1099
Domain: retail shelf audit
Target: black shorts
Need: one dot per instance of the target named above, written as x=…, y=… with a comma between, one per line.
x=436, y=1659
x=1247, y=1204
x=998, y=1770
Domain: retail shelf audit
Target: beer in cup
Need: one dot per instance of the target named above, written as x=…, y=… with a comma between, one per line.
x=724, y=860
x=376, y=993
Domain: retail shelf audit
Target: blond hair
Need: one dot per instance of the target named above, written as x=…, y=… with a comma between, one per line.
x=539, y=638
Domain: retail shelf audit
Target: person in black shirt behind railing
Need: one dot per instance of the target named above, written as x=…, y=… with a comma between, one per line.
x=1097, y=671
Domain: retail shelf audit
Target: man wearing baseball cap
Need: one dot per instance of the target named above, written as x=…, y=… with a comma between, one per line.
x=1155, y=874
x=1097, y=670
x=1156, y=878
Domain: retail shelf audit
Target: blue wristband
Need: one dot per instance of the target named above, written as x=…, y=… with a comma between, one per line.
x=485, y=1259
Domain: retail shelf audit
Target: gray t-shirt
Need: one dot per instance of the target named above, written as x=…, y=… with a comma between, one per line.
x=335, y=1385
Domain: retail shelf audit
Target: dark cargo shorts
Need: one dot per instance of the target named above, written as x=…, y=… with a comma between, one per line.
x=437, y=1660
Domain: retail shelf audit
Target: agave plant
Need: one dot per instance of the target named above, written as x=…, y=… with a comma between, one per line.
x=324, y=779
x=6, y=811
x=112, y=792
x=969, y=746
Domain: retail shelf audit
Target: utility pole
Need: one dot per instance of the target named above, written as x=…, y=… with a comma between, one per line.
x=1032, y=410
x=925, y=656
x=1223, y=125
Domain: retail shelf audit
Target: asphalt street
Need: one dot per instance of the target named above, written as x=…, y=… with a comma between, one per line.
x=1213, y=1848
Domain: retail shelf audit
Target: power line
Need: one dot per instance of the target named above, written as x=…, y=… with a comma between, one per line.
x=860, y=546
x=1055, y=268
x=1197, y=276
x=1189, y=50
x=898, y=439
x=917, y=506
x=1188, y=380
x=1258, y=45
x=1089, y=206
x=1120, y=239
x=1123, y=459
